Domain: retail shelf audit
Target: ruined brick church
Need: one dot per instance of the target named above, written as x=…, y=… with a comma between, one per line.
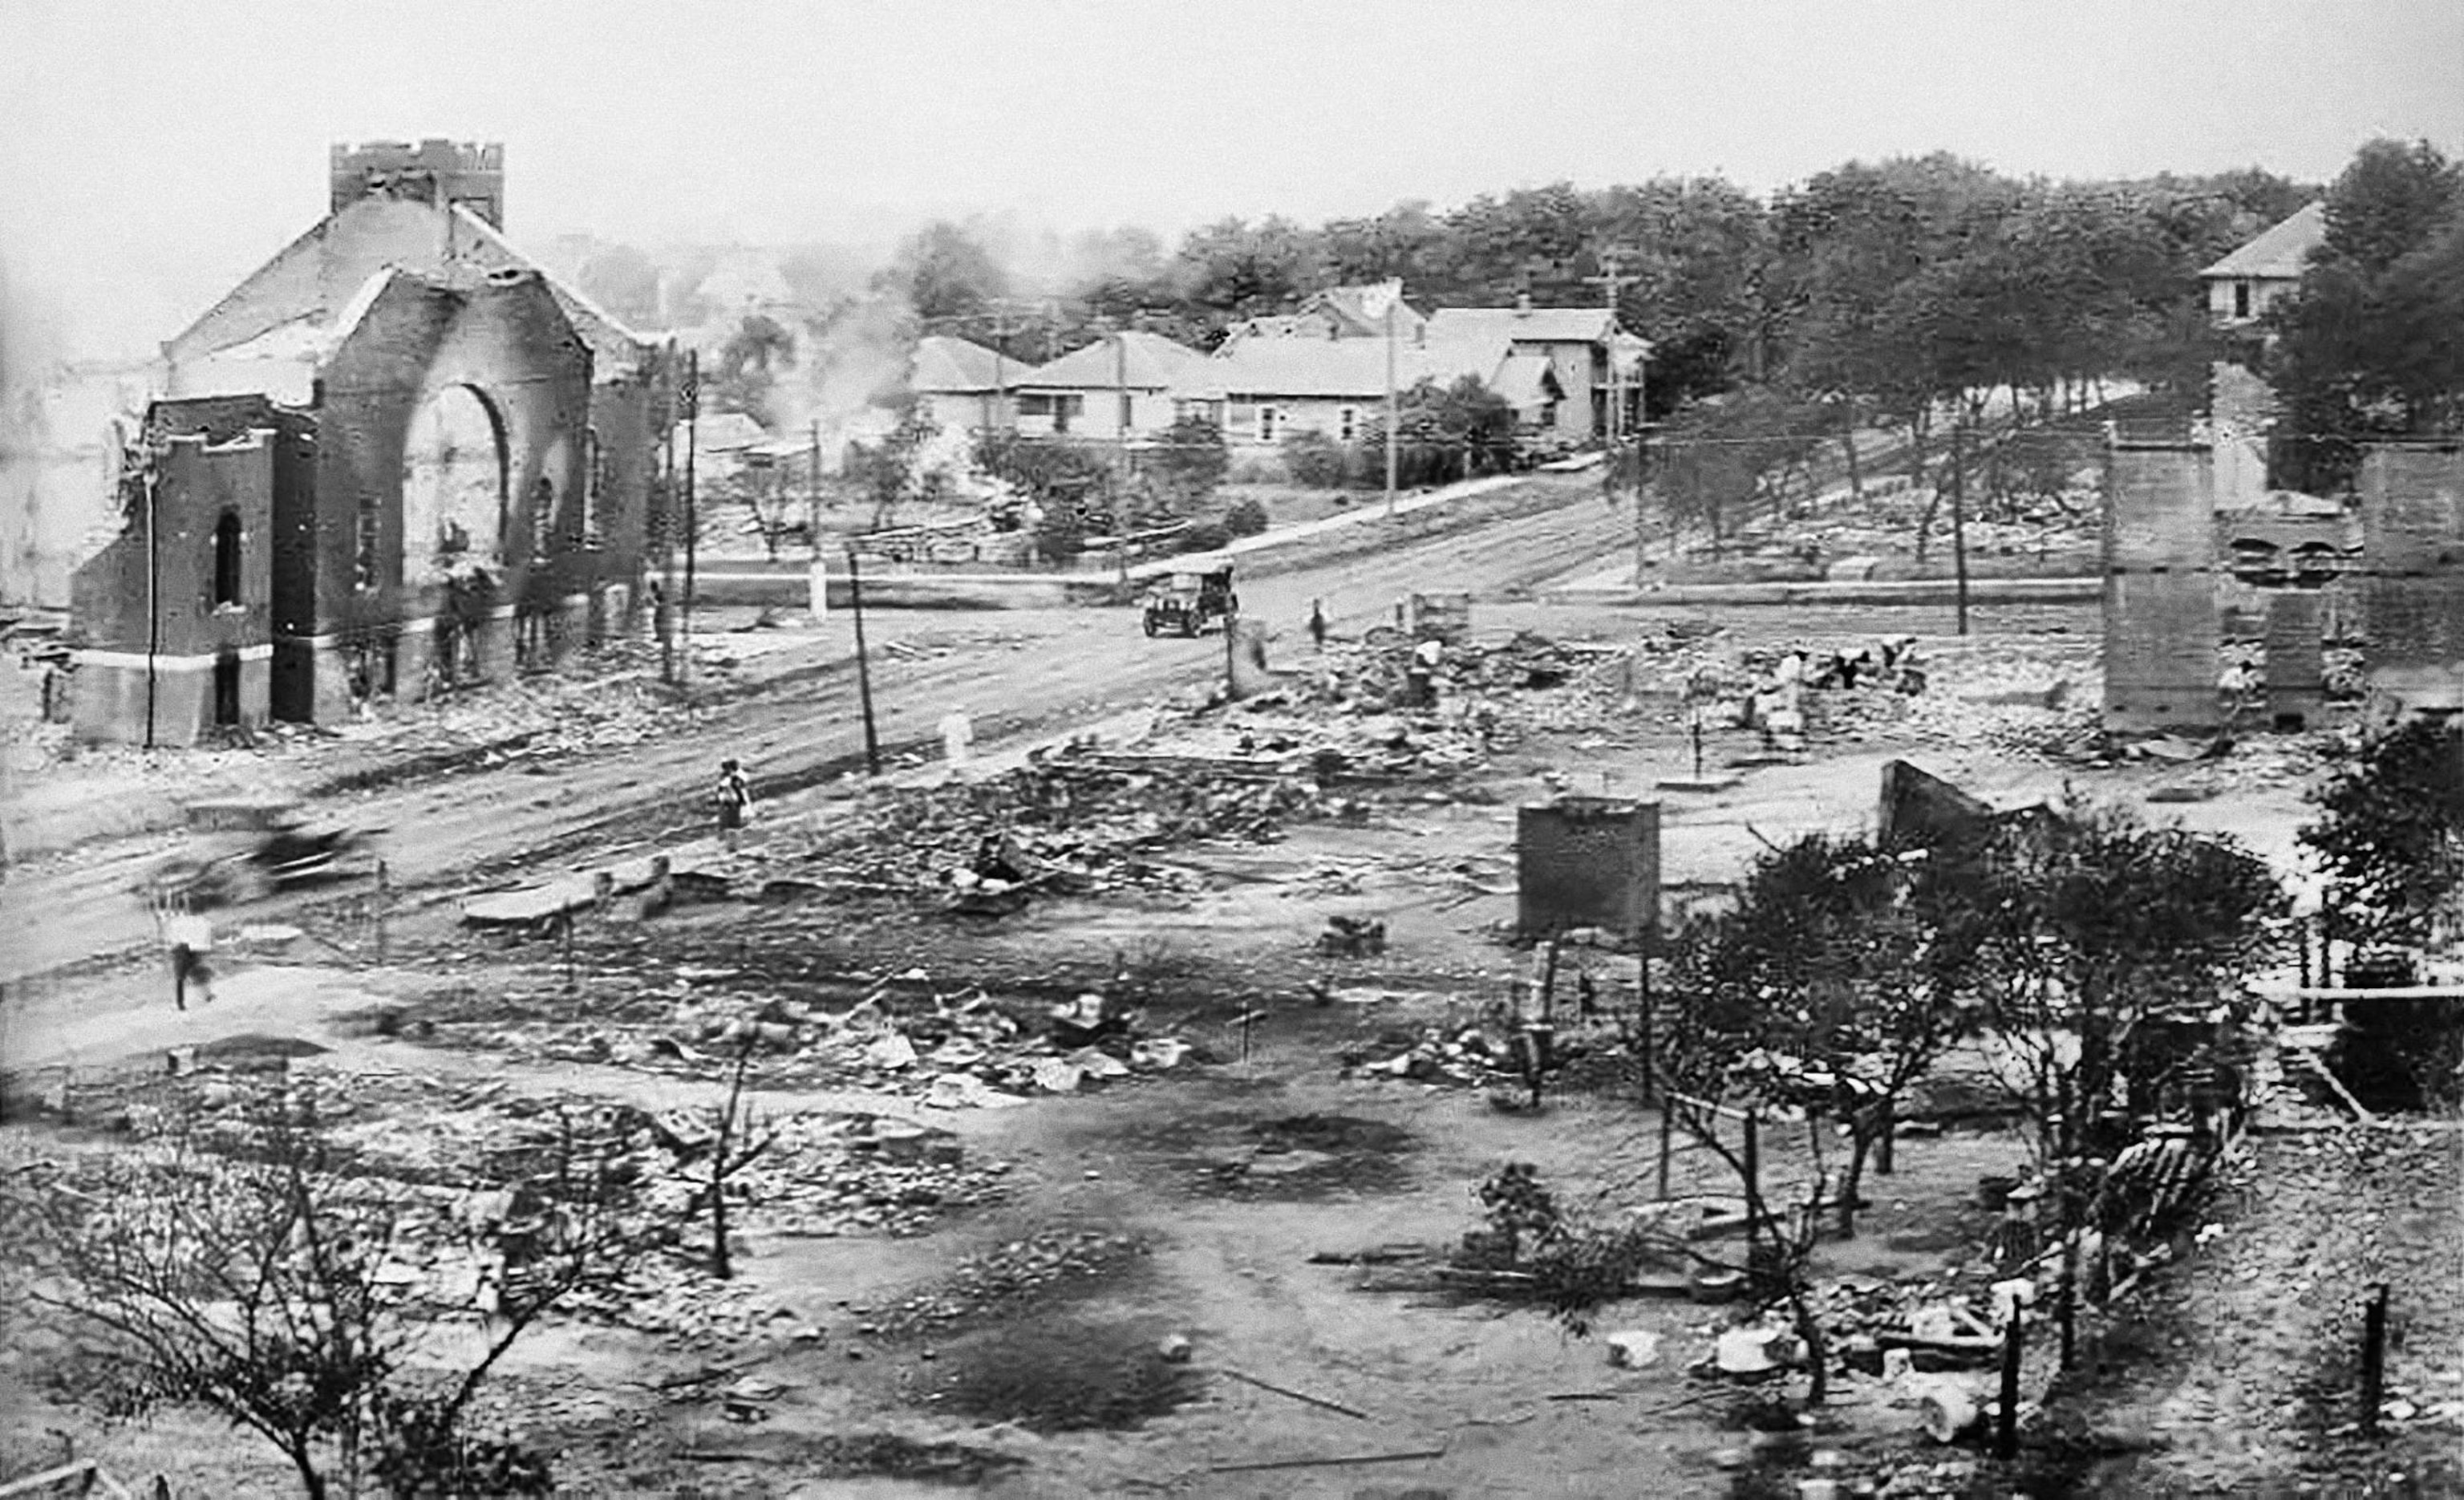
x=398, y=457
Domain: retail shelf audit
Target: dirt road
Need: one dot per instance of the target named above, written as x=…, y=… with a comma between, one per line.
x=1052, y=669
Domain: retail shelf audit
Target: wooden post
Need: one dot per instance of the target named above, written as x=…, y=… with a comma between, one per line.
x=2373, y=1358
x=569, y=986
x=2066, y=1299
x=1886, y=1143
x=1642, y=1037
x=1668, y=1128
x=863, y=666
x=2005, y=1421
x=384, y=899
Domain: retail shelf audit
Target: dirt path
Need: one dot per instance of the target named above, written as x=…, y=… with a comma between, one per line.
x=1058, y=667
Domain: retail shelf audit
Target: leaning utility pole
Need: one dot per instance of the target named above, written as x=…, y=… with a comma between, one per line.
x=863, y=664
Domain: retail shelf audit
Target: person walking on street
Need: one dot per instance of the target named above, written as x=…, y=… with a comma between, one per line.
x=734, y=800
x=190, y=938
x=1317, y=625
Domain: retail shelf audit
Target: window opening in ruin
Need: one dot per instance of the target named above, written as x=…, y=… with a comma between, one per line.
x=1268, y=417
x=594, y=485
x=1346, y=423
x=2241, y=299
x=453, y=489
x=542, y=516
x=367, y=537
x=531, y=640
x=226, y=561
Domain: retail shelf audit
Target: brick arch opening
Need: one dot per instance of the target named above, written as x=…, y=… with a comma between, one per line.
x=452, y=487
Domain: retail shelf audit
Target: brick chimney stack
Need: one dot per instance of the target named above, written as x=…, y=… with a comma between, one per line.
x=468, y=172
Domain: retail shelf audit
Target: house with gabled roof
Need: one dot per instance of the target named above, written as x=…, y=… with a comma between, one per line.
x=1551, y=364
x=963, y=385
x=1121, y=385
x=398, y=457
x=2245, y=284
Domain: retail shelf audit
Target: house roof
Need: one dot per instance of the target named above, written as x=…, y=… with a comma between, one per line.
x=1520, y=324
x=1527, y=380
x=2281, y=251
x=1146, y=362
x=948, y=364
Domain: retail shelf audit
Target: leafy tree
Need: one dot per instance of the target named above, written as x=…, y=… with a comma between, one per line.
x=1187, y=463
x=2087, y=932
x=2366, y=347
x=749, y=364
x=888, y=472
x=1232, y=269
x=946, y=271
x=2391, y=833
x=1721, y=458
x=1835, y=963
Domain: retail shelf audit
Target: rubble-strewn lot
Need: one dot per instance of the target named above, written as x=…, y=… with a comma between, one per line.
x=1124, y=1109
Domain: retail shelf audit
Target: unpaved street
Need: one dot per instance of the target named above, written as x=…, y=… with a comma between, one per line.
x=1019, y=672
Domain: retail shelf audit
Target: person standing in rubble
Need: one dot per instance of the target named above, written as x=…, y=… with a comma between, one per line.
x=734, y=800
x=1317, y=625
x=190, y=939
x=1422, y=673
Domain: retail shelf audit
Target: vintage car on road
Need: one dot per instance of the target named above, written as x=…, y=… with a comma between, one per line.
x=1185, y=601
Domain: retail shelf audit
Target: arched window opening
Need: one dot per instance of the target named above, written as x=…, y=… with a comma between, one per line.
x=226, y=561
x=452, y=487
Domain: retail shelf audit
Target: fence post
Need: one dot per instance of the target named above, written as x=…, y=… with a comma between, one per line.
x=2005, y=1421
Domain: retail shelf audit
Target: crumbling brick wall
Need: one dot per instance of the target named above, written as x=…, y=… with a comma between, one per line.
x=2161, y=630
x=1588, y=862
x=2412, y=526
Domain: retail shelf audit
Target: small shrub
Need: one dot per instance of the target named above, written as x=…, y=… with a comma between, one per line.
x=1315, y=460
x=1205, y=536
x=1246, y=518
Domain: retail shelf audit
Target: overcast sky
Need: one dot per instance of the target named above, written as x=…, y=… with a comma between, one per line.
x=152, y=151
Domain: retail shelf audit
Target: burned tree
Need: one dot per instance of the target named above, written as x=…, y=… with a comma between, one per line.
x=248, y=1267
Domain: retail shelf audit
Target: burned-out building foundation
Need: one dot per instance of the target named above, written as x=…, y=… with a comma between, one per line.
x=2221, y=599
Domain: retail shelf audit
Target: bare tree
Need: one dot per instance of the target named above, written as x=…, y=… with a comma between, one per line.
x=246, y=1267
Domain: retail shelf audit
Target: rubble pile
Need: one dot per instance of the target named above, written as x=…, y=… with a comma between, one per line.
x=459, y=1173
x=1073, y=824
x=953, y=1050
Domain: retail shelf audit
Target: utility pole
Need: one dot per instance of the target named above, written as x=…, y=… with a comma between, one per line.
x=693, y=515
x=862, y=665
x=1611, y=283
x=153, y=600
x=665, y=619
x=1959, y=515
x=1121, y=449
x=813, y=493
